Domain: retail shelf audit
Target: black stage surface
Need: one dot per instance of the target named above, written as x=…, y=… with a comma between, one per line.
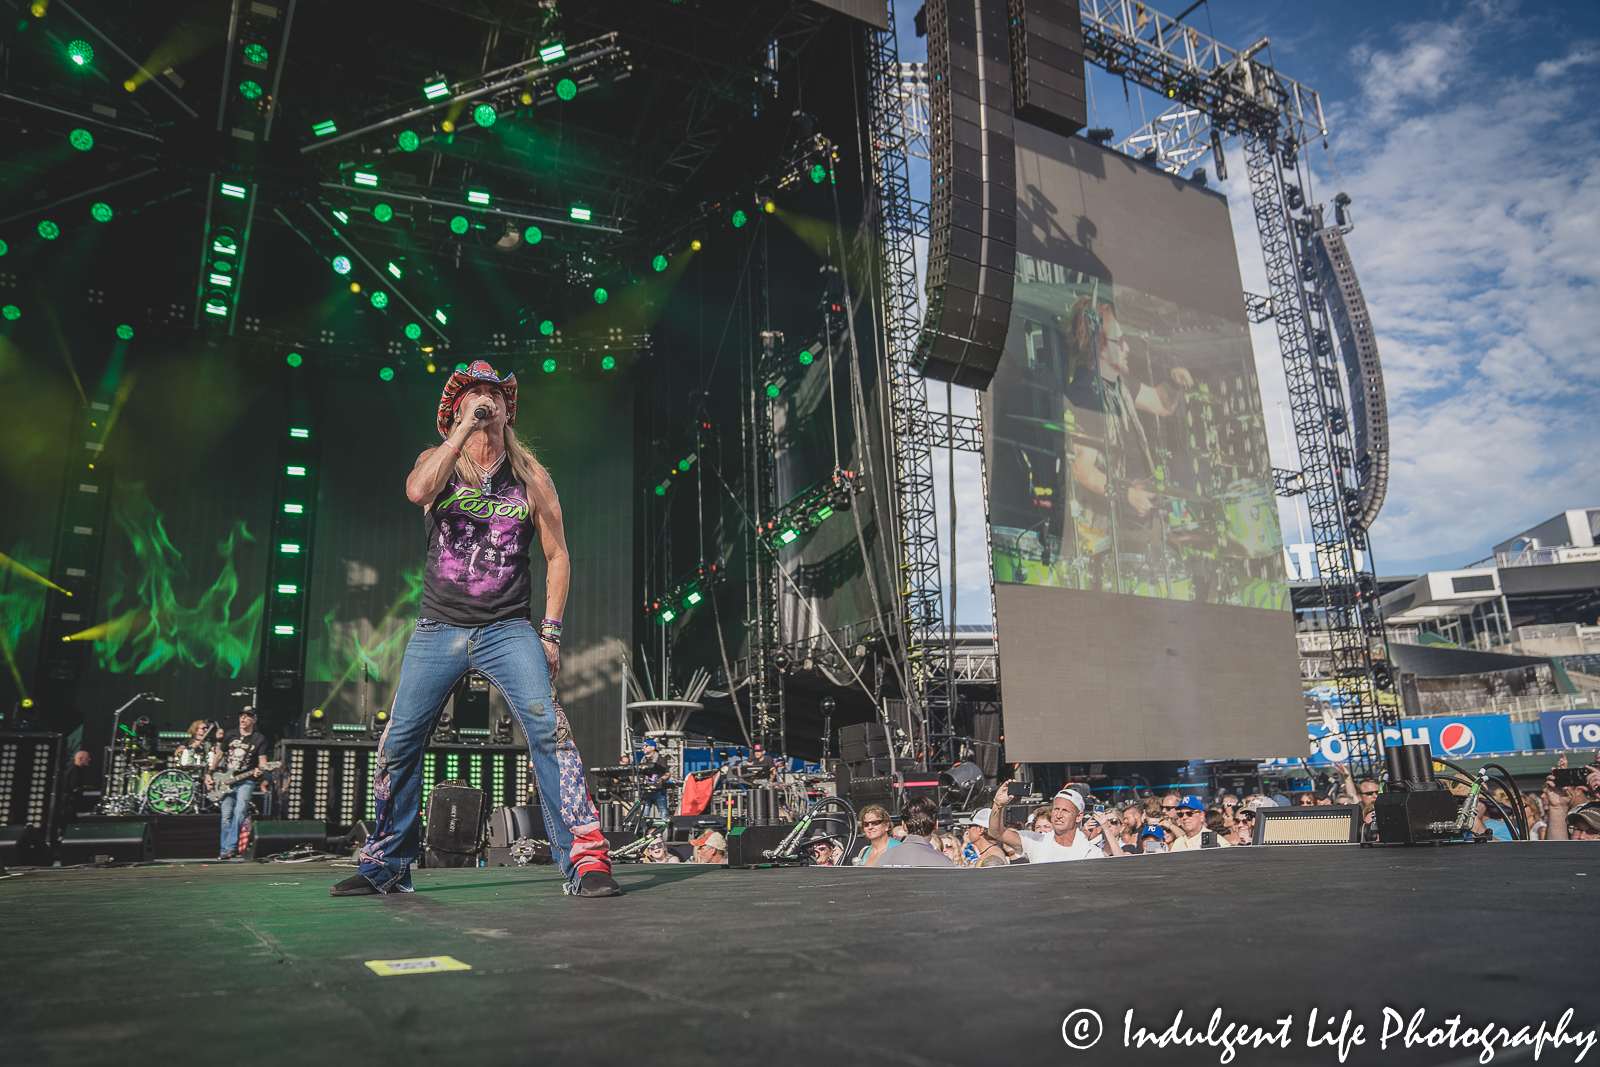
x=231, y=963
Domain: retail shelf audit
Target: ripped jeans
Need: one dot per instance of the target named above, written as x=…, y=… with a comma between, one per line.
x=511, y=655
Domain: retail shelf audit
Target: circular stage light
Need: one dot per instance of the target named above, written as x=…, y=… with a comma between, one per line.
x=601, y=296
x=739, y=218
x=447, y=126
x=387, y=374
x=547, y=327
x=772, y=391
x=255, y=53
x=125, y=332
x=458, y=224
x=659, y=263
x=818, y=172
x=82, y=140
x=409, y=141
x=383, y=212
x=549, y=366
x=294, y=359
x=11, y=312
x=101, y=212
x=250, y=90
x=49, y=230
x=484, y=115
x=380, y=299
x=4, y=248
x=695, y=245
x=532, y=235
x=341, y=264
x=608, y=362
x=566, y=88
x=806, y=356
x=355, y=287
x=413, y=331
x=80, y=52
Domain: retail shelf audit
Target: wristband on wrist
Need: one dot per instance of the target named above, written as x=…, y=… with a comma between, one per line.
x=453, y=448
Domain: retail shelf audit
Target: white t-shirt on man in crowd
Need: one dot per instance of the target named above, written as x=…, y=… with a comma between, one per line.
x=1044, y=848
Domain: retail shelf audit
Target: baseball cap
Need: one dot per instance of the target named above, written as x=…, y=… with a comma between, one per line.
x=1073, y=795
x=1191, y=803
x=979, y=819
x=713, y=838
x=1152, y=831
x=1589, y=813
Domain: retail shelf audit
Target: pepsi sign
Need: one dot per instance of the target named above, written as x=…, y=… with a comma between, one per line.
x=1453, y=738
x=1570, y=729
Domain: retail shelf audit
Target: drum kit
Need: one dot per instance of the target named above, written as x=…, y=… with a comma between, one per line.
x=164, y=787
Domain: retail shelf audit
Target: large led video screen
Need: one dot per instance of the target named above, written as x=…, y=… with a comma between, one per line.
x=1141, y=598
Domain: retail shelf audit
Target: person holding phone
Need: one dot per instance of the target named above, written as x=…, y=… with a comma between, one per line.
x=1063, y=844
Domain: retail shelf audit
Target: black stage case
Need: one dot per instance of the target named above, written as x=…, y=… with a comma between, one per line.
x=120, y=842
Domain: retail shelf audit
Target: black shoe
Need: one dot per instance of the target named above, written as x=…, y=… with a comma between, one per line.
x=598, y=884
x=357, y=885
x=227, y=855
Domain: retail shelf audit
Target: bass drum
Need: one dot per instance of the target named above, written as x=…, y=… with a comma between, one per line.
x=173, y=793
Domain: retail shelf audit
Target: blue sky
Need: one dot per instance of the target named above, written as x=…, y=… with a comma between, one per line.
x=1467, y=136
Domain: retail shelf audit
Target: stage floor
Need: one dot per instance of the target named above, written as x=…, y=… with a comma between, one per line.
x=255, y=963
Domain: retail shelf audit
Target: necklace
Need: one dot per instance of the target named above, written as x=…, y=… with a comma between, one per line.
x=486, y=476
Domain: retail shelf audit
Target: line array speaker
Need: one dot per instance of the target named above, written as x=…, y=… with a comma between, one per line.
x=1047, y=63
x=973, y=206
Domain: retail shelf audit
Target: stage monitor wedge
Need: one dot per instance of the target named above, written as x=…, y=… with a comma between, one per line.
x=973, y=201
x=1047, y=64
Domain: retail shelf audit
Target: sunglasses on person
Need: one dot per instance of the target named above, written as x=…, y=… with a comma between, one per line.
x=1169, y=807
x=1191, y=813
x=865, y=823
x=1369, y=792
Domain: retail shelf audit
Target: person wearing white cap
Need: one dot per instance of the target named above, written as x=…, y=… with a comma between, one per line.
x=1063, y=845
x=976, y=846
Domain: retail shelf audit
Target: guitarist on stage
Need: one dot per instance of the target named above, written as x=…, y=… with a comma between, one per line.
x=243, y=751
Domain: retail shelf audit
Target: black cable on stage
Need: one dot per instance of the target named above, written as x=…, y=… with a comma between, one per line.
x=1503, y=774
x=1516, y=791
x=1469, y=782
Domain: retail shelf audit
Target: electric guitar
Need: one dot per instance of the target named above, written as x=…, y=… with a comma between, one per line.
x=222, y=782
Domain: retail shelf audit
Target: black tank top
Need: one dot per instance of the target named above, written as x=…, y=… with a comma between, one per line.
x=477, y=570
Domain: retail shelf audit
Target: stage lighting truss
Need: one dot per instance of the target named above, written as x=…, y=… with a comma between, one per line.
x=811, y=508
x=688, y=593
x=533, y=82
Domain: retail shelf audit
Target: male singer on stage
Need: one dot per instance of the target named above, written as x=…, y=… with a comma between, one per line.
x=483, y=487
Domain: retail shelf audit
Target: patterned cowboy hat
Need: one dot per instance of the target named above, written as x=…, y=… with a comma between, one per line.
x=461, y=380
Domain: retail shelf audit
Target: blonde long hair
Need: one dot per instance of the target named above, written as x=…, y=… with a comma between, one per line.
x=524, y=464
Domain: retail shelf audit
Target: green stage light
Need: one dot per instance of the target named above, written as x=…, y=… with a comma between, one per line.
x=387, y=374
x=283, y=629
x=341, y=264
x=444, y=320
x=789, y=537
x=668, y=615
x=49, y=230
x=4, y=248
x=82, y=140
x=294, y=359
x=458, y=225
x=294, y=471
x=818, y=172
x=125, y=332
x=288, y=588
x=80, y=53
x=608, y=362
x=299, y=431
x=255, y=53
x=237, y=192
x=380, y=299
x=773, y=391
x=661, y=490
x=11, y=312
x=549, y=366
x=551, y=53
x=739, y=218
x=461, y=366
x=601, y=296
x=806, y=357
x=325, y=127
x=566, y=88
x=478, y=196
x=693, y=598
x=580, y=213
x=824, y=512
x=532, y=235
x=383, y=212
x=409, y=141
x=394, y=270
x=659, y=264
x=435, y=90
x=341, y=216
x=484, y=115
x=413, y=331
x=683, y=464
x=225, y=245
x=366, y=178
x=547, y=327
x=101, y=212
x=289, y=548
x=250, y=90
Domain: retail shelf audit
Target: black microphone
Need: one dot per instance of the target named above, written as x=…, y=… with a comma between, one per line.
x=484, y=413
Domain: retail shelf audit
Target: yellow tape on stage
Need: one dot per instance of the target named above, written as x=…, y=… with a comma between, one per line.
x=421, y=965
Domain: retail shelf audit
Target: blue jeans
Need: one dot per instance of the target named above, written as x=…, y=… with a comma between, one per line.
x=235, y=806
x=655, y=804
x=511, y=656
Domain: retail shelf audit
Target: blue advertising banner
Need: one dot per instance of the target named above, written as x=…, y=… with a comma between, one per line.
x=1570, y=729
x=1453, y=738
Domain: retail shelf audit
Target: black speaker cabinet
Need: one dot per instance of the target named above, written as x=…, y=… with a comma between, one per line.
x=23, y=846
x=271, y=838
x=746, y=843
x=107, y=842
x=457, y=825
x=510, y=824
x=1404, y=817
